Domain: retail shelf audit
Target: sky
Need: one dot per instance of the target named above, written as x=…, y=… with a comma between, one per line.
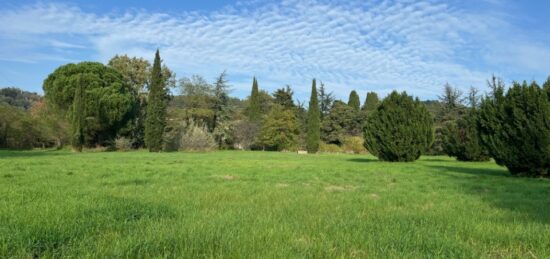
x=382, y=45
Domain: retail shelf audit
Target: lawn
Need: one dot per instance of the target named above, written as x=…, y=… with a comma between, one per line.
x=265, y=205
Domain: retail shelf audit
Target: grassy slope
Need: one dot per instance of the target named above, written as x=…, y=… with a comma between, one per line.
x=259, y=204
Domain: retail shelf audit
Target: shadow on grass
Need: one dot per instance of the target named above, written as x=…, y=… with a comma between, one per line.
x=528, y=198
x=363, y=160
x=5, y=153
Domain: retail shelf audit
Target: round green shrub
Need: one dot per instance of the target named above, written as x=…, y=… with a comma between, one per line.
x=399, y=130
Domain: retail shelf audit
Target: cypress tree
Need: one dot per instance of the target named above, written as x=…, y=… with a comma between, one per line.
x=371, y=102
x=399, y=130
x=254, y=106
x=78, y=116
x=313, y=121
x=353, y=101
x=156, y=109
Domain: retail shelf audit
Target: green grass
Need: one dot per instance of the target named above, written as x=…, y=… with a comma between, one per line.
x=265, y=205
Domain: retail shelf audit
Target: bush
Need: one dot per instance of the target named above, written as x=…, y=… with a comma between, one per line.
x=329, y=148
x=353, y=145
x=461, y=139
x=515, y=128
x=197, y=138
x=123, y=144
x=399, y=130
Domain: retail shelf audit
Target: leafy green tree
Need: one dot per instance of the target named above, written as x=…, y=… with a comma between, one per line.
x=341, y=121
x=254, y=103
x=17, y=129
x=399, y=130
x=313, y=122
x=283, y=97
x=16, y=97
x=354, y=101
x=280, y=129
x=461, y=139
x=108, y=102
x=371, y=102
x=325, y=101
x=78, y=116
x=155, y=121
x=515, y=127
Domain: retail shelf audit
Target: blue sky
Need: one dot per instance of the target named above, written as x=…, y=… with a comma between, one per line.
x=380, y=45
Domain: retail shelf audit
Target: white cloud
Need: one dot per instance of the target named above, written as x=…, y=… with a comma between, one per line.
x=409, y=45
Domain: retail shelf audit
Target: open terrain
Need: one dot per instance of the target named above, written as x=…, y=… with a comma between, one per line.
x=263, y=205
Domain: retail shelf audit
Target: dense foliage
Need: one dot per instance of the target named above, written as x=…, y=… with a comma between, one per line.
x=515, y=127
x=341, y=121
x=280, y=129
x=107, y=101
x=155, y=120
x=371, y=102
x=16, y=97
x=461, y=139
x=399, y=130
x=354, y=101
x=313, y=121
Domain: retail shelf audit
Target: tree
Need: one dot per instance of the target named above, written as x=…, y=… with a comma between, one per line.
x=279, y=130
x=354, y=101
x=254, y=110
x=108, y=103
x=371, y=102
x=156, y=108
x=78, y=116
x=313, y=122
x=221, y=110
x=341, y=121
x=325, y=101
x=451, y=98
x=399, y=130
x=16, y=97
x=515, y=127
x=283, y=97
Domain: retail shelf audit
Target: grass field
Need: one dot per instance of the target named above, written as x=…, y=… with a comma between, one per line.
x=265, y=205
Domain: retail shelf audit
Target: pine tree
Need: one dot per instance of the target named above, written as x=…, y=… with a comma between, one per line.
x=325, y=100
x=156, y=109
x=313, y=122
x=221, y=110
x=254, y=106
x=354, y=101
x=371, y=102
x=78, y=116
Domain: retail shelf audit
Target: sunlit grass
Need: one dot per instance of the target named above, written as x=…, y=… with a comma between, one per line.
x=262, y=205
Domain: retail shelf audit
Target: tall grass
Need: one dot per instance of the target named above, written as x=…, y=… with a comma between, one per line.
x=263, y=205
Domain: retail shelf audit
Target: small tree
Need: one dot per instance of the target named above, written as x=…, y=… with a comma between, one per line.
x=371, y=102
x=399, y=130
x=313, y=122
x=279, y=129
x=156, y=109
x=354, y=101
x=515, y=127
x=254, y=103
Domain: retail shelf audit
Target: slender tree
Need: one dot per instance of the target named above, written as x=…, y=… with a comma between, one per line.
x=221, y=110
x=313, y=121
x=254, y=106
x=156, y=109
x=78, y=116
x=325, y=100
x=354, y=101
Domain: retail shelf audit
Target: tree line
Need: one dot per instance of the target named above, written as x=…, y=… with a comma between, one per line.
x=130, y=104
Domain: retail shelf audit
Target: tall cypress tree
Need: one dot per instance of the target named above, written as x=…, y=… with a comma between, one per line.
x=371, y=102
x=313, y=121
x=354, y=101
x=254, y=106
x=156, y=109
x=78, y=117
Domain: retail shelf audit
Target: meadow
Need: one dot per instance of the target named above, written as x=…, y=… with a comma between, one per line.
x=235, y=204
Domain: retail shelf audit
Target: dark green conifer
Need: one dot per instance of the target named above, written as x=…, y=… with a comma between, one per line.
x=313, y=121
x=156, y=109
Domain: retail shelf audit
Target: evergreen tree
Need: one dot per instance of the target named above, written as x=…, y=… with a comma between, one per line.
x=325, y=101
x=284, y=97
x=78, y=116
x=313, y=122
x=221, y=110
x=515, y=127
x=280, y=129
x=371, y=102
x=254, y=106
x=399, y=130
x=354, y=101
x=156, y=108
